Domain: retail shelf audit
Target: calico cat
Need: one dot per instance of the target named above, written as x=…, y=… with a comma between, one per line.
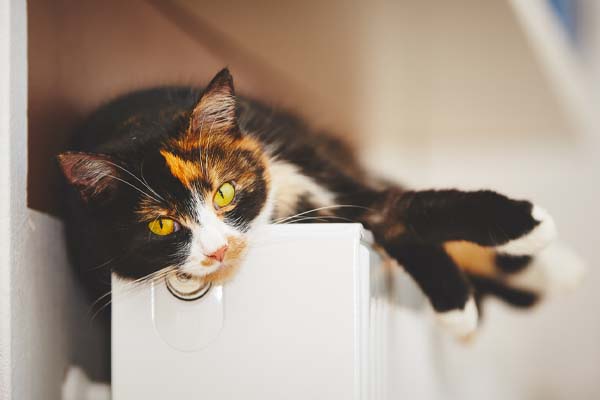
x=180, y=178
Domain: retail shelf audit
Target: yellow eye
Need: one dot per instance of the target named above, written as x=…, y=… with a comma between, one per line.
x=224, y=195
x=163, y=226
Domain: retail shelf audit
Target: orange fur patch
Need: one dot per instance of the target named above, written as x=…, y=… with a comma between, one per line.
x=233, y=259
x=208, y=262
x=394, y=231
x=185, y=171
x=474, y=259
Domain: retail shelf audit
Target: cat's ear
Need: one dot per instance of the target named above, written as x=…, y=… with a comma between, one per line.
x=215, y=111
x=95, y=176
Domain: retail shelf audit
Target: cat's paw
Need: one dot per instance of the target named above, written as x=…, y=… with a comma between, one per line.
x=536, y=239
x=556, y=269
x=553, y=268
x=461, y=323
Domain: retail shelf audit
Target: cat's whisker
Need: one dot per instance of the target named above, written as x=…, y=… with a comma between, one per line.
x=280, y=220
x=151, y=277
x=323, y=218
x=135, y=177
x=104, y=296
x=208, y=144
x=207, y=154
x=104, y=264
x=100, y=309
x=99, y=299
x=133, y=186
x=237, y=222
x=129, y=287
x=200, y=148
x=146, y=182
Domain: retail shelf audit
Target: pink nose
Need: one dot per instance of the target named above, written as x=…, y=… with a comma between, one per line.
x=219, y=254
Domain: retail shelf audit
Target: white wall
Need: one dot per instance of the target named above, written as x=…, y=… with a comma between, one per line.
x=12, y=138
x=551, y=352
x=42, y=315
x=438, y=123
x=5, y=125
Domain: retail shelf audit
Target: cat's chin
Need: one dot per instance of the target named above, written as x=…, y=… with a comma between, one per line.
x=221, y=274
x=214, y=274
x=226, y=270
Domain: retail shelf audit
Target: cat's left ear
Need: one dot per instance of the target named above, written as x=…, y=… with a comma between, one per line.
x=95, y=176
x=216, y=109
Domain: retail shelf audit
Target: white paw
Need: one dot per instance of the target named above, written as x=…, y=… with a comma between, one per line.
x=460, y=323
x=534, y=241
x=556, y=269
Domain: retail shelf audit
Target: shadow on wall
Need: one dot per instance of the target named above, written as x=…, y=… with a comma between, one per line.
x=82, y=54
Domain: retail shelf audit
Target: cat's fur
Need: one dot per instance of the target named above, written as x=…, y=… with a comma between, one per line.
x=164, y=152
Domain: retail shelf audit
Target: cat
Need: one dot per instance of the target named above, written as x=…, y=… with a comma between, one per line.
x=180, y=178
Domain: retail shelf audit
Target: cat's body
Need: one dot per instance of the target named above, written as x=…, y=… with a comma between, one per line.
x=306, y=168
x=213, y=167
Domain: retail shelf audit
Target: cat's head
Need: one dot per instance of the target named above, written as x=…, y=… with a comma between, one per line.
x=189, y=203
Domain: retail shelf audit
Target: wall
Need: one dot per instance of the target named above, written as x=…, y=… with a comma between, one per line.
x=388, y=73
x=7, y=30
x=41, y=310
x=552, y=352
x=83, y=53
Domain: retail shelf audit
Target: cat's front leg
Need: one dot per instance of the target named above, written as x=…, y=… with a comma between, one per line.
x=483, y=217
x=443, y=283
x=428, y=233
x=518, y=234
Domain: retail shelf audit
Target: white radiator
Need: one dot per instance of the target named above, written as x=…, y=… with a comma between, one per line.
x=308, y=316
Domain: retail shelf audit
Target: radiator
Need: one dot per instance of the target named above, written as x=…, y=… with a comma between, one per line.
x=312, y=314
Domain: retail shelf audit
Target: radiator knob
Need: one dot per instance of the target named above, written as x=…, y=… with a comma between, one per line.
x=186, y=287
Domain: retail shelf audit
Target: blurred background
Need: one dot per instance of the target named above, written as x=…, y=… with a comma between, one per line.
x=498, y=94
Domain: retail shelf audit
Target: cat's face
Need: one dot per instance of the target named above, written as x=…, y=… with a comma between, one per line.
x=191, y=204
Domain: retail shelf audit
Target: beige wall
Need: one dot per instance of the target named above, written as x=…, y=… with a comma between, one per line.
x=82, y=53
x=394, y=74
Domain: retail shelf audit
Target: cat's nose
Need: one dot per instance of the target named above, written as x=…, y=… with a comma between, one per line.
x=219, y=254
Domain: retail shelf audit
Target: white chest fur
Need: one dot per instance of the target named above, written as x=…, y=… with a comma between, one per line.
x=290, y=185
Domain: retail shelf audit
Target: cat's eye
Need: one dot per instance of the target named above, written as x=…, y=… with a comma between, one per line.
x=224, y=195
x=163, y=226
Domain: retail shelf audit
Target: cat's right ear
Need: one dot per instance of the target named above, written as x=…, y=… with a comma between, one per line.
x=95, y=176
x=215, y=111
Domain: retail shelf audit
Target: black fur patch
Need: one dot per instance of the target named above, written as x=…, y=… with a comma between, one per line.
x=511, y=264
x=516, y=297
x=434, y=271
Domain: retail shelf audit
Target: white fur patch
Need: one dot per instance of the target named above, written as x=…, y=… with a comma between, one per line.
x=535, y=240
x=555, y=269
x=208, y=236
x=460, y=323
x=289, y=185
x=213, y=233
